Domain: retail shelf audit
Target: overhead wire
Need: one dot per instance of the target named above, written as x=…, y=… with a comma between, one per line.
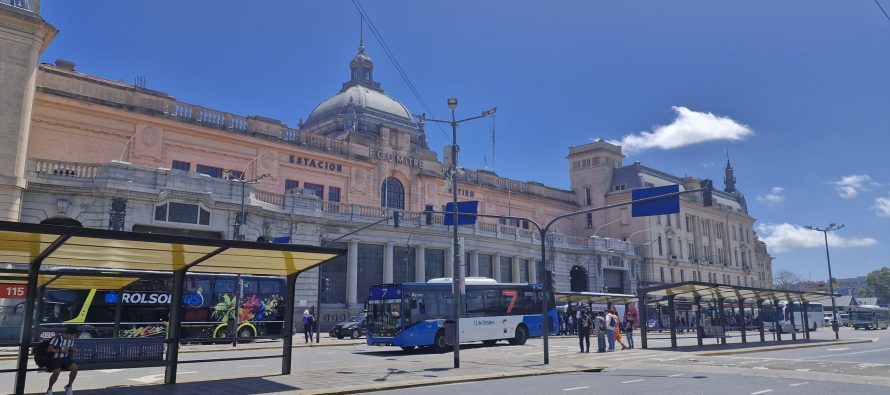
x=396, y=64
x=882, y=10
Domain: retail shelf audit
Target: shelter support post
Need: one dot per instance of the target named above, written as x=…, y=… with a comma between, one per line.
x=699, y=328
x=806, y=320
x=673, y=326
x=741, y=320
x=760, y=320
x=118, y=308
x=777, y=327
x=288, y=330
x=644, y=321
x=173, y=326
x=793, y=324
x=722, y=315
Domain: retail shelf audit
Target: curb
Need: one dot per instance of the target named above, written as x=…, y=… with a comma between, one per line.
x=456, y=380
x=181, y=351
x=783, y=347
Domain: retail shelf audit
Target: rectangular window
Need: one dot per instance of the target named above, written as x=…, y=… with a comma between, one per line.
x=661, y=271
x=179, y=165
x=211, y=171
x=403, y=264
x=660, y=251
x=235, y=175
x=183, y=213
x=682, y=275
x=672, y=276
x=290, y=185
x=334, y=194
x=589, y=220
x=658, y=219
x=335, y=272
x=680, y=248
x=624, y=216
x=506, y=270
x=588, y=197
x=486, y=268
x=678, y=221
x=668, y=216
x=691, y=251
x=670, y=245
x=523, y=270
x=315, y=188
x=435, y=263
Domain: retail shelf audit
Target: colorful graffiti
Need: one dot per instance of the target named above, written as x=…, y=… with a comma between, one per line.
x=145, y=331
x=251, y=309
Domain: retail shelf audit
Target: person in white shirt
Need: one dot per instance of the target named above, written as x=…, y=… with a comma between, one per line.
x=61, y=347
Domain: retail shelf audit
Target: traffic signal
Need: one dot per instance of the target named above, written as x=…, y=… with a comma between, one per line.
x=708, y=192
x=395, y=219
x=428, y=214
x=325, y=284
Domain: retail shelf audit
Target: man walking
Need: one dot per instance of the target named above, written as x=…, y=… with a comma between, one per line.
x=584, y=325
x=600, y=327
x=307, y=326
x=611, y=325
x=61, y=347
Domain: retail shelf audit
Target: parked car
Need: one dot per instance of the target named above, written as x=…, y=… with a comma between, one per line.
x=354, y=328
x=844, y=319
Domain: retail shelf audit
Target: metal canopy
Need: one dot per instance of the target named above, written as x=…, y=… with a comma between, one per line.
x=594, y=297
x=103, y=249
x=710, y=291
x=69, y=281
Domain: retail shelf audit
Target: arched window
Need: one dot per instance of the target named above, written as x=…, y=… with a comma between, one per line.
x=578, y=279
x=392, y=194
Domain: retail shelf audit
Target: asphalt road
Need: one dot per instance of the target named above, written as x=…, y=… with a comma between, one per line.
x=628, y=381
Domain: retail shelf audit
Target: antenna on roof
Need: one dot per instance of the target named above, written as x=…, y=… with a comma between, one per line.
x=140, y=81
x=493, y=148
x=361, y=30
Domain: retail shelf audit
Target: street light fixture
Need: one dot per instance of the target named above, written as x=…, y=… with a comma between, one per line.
x=457, y=277
x=240, y=220
x=831, y=227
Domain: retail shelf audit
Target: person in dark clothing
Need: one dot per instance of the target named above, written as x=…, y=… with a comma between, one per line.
x=61, y=349
x=600, y=328
x=629, y=333
x=584, y=326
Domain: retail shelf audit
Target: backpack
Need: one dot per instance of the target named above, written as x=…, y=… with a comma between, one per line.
x=41, y=353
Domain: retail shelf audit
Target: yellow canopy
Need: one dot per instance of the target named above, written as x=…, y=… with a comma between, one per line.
x=709, y=291
x=69, y=281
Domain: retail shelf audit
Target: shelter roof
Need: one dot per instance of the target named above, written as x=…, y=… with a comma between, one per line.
x=711, y=291
x=595, y=297
x=99, y=249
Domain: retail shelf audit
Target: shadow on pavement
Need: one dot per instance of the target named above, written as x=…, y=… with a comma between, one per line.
x=739, y=346
x=246, y=385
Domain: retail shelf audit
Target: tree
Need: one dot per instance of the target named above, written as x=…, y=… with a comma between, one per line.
x=879, y=282
x=785, y=279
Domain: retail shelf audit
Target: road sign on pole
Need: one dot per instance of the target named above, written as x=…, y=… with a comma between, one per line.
x=470, y=207
x=669, y=205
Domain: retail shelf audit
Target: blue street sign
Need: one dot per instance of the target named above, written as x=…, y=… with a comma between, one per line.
x=464, y=208
x=669, y=205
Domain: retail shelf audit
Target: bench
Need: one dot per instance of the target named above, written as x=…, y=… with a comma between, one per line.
x=713, y=331
x=119, y=352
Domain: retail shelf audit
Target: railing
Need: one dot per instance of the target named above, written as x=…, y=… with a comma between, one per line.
x=315, y=141
x=65, y=169
x=23, y=4
x=269, y=197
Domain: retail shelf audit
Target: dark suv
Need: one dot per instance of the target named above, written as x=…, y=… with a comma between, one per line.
x=354, y=328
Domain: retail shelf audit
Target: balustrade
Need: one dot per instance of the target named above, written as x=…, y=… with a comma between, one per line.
x=65, y=169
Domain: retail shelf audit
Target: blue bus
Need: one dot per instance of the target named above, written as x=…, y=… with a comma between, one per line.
x=413, y=315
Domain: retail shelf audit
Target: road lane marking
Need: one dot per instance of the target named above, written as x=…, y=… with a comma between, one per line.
x=631, y=381
x=250, y=366
x=677, y=375
x=575, y=388
x=846, y=353
x=761, y=392
x=796, y=384
x=838, y=349
x=801, y=370
x=760, y=368
x=109, y=370
x=314, y=362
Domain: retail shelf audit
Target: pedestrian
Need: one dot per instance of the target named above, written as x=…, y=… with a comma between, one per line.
x=600, y=327
x=683, y=324
x=629, y=333
x=611, y=325
x=307, y=325
x=584, y=325
x=61, y=347
x=571, y=324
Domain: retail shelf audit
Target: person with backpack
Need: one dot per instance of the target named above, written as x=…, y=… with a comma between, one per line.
x=600, y=327
x=611, y=325
x=59, y=355
x=584, y=325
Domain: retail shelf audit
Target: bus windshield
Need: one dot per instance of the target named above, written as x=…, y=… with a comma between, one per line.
x=770, y=314
x=385, y=310
x=861, y=315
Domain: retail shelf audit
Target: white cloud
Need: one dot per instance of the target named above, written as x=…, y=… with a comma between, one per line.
x=690, y=127
x=774, y=197
x=784, y=237
x=848, y=187
x=882, y=206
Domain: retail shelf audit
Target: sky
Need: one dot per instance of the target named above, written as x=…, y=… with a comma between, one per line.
x=797, y=92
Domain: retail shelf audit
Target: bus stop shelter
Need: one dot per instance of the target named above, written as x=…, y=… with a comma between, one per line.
x=38, y=247
x=698, y=292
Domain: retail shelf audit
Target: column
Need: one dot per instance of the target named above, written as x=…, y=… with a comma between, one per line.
x=776, y=327
x=760, y=319
x=516, y=276
x=644, y=321
x=742, y=320
x=722, y=315
x=449, y=262
x=352, y=273
x=474, y=264
x=806, y=321
x=387, y=262
x=673, y=314
x=699, y=328
x=420, y=263
x=496, y=267
x=790, y=308
x=532, y=271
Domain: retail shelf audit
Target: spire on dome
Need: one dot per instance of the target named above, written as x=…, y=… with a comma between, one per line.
x=361, y=67
x=729, y=176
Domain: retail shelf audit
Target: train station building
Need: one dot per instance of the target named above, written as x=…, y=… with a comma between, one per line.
x=86, y=150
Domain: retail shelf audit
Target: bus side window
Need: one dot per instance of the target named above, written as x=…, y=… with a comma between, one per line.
x=270, y=287
x=475, y=303
x=224, y=285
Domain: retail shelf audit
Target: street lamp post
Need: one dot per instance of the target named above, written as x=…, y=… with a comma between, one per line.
x=831, y=227
x=457, y=279
x=240, y=220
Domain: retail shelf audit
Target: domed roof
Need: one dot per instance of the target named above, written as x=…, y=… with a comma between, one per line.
x=361, y=97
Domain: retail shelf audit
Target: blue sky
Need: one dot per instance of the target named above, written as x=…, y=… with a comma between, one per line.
x=799, y=91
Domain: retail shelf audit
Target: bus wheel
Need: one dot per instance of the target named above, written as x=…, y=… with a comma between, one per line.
x=489, y=342
x=245, y=332
x=85, y=335
x=440, y=343
x=520, y=337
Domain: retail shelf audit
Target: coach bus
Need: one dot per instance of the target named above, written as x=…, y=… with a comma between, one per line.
x=779, y=317
x=413, y=315
x=208, y=308
x=869, y=317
